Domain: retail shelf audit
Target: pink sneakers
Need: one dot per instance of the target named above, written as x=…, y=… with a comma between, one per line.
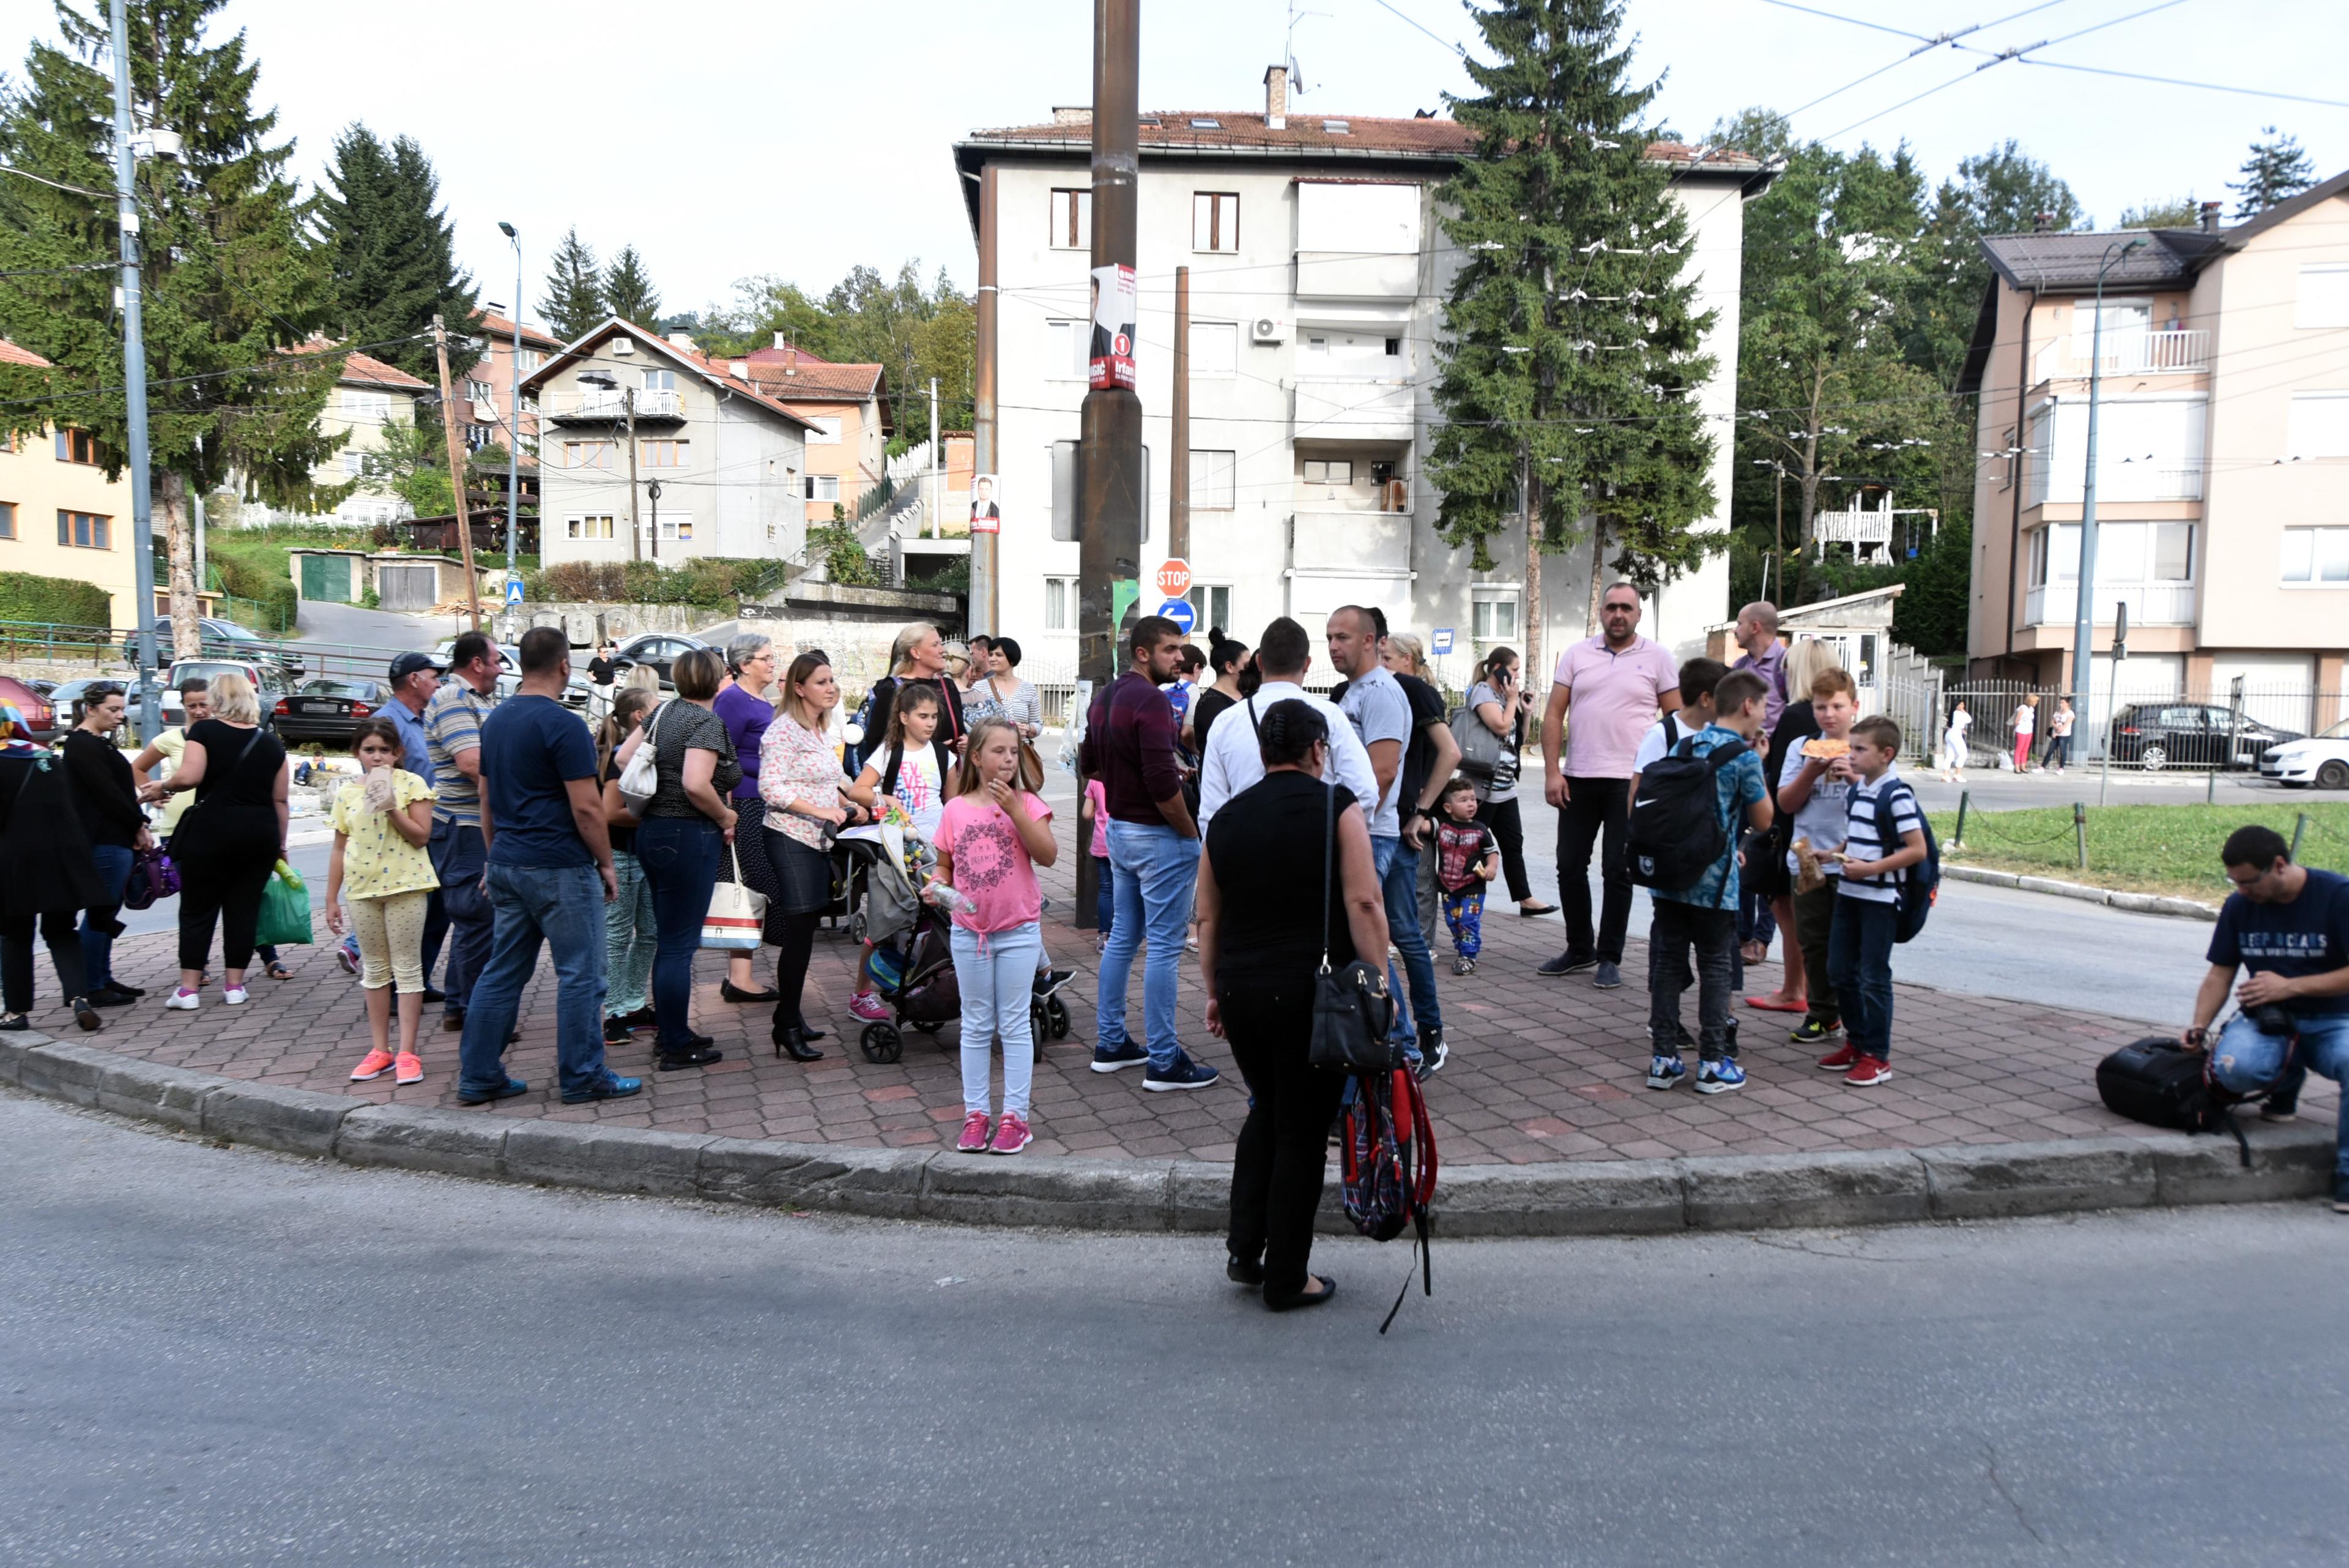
x=374, y=1065
x=868, y=1005
x=1010, y=1134
x=973, y=1134
x=410, y=1069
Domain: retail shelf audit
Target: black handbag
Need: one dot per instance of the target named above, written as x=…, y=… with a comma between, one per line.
x=1353, y=1015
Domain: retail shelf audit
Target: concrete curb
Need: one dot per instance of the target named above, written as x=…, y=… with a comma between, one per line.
x=2136, y=903
x=1566, y=1198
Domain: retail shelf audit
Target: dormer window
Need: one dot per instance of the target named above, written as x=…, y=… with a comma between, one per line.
x=1206, y=125
x=1338, y=126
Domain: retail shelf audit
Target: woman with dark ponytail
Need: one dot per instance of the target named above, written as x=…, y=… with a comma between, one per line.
x=1264, y=931
x=1224, y=655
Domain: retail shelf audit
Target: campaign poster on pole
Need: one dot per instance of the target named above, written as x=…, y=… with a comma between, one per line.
x=1113, y=314
x=985, y=511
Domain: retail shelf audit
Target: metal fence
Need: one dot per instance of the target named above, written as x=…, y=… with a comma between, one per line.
x=2216, y=728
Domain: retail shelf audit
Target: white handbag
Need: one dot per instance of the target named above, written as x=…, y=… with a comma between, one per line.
x=640, y=780
x=737, y=914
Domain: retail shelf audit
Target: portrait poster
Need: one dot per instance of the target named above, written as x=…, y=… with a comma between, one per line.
x=1111, y=358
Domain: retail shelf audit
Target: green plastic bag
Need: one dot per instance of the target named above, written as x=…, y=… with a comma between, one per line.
x=284, y=910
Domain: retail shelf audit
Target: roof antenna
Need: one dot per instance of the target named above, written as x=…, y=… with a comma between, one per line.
x=1288, y=46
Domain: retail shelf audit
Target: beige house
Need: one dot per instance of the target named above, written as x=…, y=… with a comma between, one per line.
x=60, y=516
x=369, y=396
x=2222, y=467
x=847, y=407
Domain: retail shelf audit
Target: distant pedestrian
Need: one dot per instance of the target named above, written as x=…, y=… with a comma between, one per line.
x=1430, y=760
x=1467, y=858
x=682, y=834
x=452, y=721
x=51, y=875
x=1884, y=834
x=918, y=656
x=1226, y=658
x=1496, y=700
x=105, y=795
x=631, y=929
x=415, y=676
x=2059, y=735
x=381, y=861
x=1001, y=693
x=1765, y=655
x=746, y=703
x=1956, y=751
x=2025, y=724
x=230, y=841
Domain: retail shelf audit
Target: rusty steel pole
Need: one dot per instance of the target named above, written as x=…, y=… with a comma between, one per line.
x=1178, y=476
x=985, y=594
x=1109, y=452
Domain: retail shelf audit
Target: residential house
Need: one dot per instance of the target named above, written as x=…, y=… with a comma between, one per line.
x=1318, y=272
x=2223, y=447
x=60, y=515
x=849, y=407
x=489, y=385
x=369, y=399
x=719, y=463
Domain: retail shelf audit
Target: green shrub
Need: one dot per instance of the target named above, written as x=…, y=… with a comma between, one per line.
x=56, y=601
x=272, y=593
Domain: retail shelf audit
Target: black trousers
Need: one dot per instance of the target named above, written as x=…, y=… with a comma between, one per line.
x=1598, y=812
x=1712, y=934
x=63, y=942
x=1277, y=1168
x=224, y=886
x=1509, y=833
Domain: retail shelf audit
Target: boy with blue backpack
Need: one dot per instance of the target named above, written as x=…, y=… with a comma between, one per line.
x=1879, y=899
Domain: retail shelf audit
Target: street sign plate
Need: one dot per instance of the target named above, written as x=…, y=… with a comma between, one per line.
x=1174, y=578
x=1440, y=640
x=514, y=590
x=1180, y=612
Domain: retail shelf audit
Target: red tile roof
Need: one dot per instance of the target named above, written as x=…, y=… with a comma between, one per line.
x=496, y=326
x=818, y=383
x=368, y=371
x=12, y=355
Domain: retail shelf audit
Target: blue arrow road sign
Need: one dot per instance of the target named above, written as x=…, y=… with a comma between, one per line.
x=1180, y=612
x=514, y=590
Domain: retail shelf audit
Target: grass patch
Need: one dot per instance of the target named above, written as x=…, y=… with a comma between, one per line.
x=2168, y=849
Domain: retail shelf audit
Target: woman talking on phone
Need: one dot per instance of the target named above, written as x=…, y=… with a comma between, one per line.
x=1498, y=699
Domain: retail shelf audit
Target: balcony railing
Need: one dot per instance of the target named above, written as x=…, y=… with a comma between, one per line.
x=1353, y=543
x=2128, y=354
x=2149, y=604
x=1366, y=410
x=2123, y=479
x=611, y=403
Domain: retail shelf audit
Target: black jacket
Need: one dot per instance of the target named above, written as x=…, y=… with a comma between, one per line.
x=41, y=840
x=104, y=792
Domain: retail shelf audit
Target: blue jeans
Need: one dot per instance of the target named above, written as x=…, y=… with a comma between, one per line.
x=1398, y=869
x=1156, y=870
x=1860, y=962
x=2248, y=1062
x=562, y=905
x=679, y=854
x=628, y=928
x=112, y=863
x=1104, y=895
x=458, y=857
x=997, y=974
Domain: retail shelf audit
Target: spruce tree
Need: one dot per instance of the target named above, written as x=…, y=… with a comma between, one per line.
x=573, y=302
x=230, y=283
x=393, y=252
x=2277, y=171
x=1571, y=356
x=628, y=292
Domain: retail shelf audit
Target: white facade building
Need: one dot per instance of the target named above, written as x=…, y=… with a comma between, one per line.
x=1317, y=272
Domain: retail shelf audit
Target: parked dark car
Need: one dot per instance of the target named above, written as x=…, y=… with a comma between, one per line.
x=227, y=639
x=2156, y=735
x=328, y=709
x=40, y=714
x=661, y=650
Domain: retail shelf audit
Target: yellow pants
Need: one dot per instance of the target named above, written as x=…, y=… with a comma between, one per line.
x=390, y=931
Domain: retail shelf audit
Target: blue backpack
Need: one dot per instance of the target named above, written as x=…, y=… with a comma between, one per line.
x=1921, y=884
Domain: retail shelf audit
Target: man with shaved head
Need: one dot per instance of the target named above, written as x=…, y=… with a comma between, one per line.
x=1757, y=634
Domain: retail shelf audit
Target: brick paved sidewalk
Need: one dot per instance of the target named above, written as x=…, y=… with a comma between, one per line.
x=1541, y=1069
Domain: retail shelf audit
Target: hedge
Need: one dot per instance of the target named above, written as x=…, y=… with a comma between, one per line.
x=56, y=601
x=713, y=582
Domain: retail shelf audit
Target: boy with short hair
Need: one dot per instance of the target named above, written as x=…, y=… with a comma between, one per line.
x=1698, y=678
x=1815, y=790
x=1884, y=834
x=1703, y=915
x=1467, y=856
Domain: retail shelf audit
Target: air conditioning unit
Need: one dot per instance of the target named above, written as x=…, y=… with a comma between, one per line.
x=624, y=345
x=1267, y=329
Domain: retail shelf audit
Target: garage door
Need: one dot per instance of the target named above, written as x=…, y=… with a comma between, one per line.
x=326, y=578
x=2278, y=689
x=406, y=587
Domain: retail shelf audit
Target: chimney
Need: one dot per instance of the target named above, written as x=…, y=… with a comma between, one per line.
x=2211, y=216
x=681, y=340
x=2041, y=222
x=740, y=368
x=1072, y=114
x=781, y=343
x=1276, y=97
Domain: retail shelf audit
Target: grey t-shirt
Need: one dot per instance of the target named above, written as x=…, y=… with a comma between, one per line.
x=1379, y=711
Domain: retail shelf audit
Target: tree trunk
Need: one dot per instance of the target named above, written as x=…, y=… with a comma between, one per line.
x=170, y=490
x=1598, y=575
x=1530, y=669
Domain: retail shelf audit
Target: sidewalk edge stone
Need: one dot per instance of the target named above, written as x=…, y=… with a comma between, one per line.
x=882, y=1183
x=1998, y=1182
x=607, y=1160
x=423, y=1138
x=1845, y=1187
x=291, y=1121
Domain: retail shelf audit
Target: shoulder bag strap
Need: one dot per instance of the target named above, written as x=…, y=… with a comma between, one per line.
x=1253, y=722
x=1329, y=864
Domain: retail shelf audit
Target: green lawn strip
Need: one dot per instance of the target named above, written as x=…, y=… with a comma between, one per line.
x=2168, y=849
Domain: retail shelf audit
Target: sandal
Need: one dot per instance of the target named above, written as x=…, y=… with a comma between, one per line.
x=278, y=971
x=1768, y=1005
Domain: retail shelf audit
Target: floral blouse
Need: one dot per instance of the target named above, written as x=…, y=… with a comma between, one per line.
x=796, y=762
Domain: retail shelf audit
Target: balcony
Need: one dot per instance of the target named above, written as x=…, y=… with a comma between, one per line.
x=1359, y=410
x=2129, y=479
x=1355, y=275
x=609, y=405
x=2128, y=354
x=1351, y=544
x=2149, y=604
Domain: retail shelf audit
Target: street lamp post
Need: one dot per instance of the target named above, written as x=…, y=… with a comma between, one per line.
x=2084, y=609
x=513, y=406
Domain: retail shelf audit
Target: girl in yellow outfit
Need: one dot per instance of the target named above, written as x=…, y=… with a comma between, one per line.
x=382, y=823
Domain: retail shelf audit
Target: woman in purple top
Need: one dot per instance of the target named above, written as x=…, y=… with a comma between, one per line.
x=746, y=705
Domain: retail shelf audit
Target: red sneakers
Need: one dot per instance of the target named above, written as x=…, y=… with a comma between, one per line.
x=1839, y=1061
x=1867, y=1072
x=1010, y=1134
x=975, y=1130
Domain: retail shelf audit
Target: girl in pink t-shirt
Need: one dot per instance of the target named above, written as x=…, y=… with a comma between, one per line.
x=991, y=837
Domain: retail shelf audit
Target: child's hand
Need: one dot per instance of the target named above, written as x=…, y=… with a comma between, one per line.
x=1004, y=796
x=335, y=918
x=377, y=792
x=1488, y=871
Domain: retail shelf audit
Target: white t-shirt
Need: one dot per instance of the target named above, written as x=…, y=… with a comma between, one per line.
x=1234, y=761
x=1657, y=742
x=1822, y=820
x=2026, y=719
x=919, y=790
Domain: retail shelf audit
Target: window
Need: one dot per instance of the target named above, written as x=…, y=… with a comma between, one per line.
x=480, y=392
x=365, y=406
x=353, y=463
x=589, y=454
x=1211, y=604
x=2127, y=554
x=81, y=446
x=1065, y=343
x=531, y=359
x=82, y=530
x=823, y=487
x=2173, y=553
x=1060, y=604
x=2123, y=318
x=1205, y=124
x=1492, y=615
x=2316, y=555
x=1212, y=489
x=598, y=526
x=2323, y=295
x=1215, y=349
x=1215, y=221
x=660, y=380
x=663, y=453
x=1073, y=220
x=826, y=432
x=1317, y=472
x=1366, y=219
x=2319, y=425
x=7, y=519
x=677, y=525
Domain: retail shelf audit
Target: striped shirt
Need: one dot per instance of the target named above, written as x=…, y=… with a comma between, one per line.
x=1890, y=796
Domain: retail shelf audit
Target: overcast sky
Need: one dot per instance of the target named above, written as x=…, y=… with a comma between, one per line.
x=727, y=138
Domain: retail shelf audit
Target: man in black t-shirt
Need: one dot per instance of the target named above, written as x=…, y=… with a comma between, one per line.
x=2289, y=925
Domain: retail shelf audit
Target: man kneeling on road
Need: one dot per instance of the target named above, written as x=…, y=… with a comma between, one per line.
x=2289, y=925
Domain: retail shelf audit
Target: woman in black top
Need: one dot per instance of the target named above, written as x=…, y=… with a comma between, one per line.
x=49, y=875
x=1261, y=938
x=106, y=798
x=1224, y=657
x=230, y=840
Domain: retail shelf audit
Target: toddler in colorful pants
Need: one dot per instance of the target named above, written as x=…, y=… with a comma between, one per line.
x=1467, y=856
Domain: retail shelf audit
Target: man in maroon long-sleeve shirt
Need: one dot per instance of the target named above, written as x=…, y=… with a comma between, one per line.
x=1153, y=855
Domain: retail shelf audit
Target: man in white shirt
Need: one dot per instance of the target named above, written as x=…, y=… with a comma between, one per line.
x=1234, y=762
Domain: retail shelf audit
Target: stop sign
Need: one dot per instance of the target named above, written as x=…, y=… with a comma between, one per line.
x=1174, y=578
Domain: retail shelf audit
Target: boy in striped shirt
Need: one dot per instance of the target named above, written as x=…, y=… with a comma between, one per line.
x=1884, y=834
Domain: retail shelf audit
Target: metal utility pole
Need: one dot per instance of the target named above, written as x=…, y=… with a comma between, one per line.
x=134, y=382
x=2084, y=609
x=1178, y=477
x=456, y=472
x=985, y=593
x=938, y=522
x=628, y=423
x=1108, y=451
x=513, y=407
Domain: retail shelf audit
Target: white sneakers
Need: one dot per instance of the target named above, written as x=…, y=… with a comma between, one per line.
x=235, y=996
x=188, y=1001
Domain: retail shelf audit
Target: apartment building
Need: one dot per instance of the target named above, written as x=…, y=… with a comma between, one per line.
x=60, y=515
x=847, y=404
x=369, y=398
x=489, y=385
x=2222, y=462
x=1318, y=271
x=719, y=466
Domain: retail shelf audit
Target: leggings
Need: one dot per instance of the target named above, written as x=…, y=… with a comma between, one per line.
x=791, y=967
x=1282, y=1154
x=16, y=956
x=390, y=931
x=228, y=890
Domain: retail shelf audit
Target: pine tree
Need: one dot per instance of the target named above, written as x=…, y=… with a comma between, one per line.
x=628, y=293
x=1571, y=350
x=393, y=252
x=573, y=302
x=2277, y=171
x=2002, y=191
x=230, y=283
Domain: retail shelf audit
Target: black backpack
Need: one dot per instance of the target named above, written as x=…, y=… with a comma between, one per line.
x=1676, y=832
x=2156, y=1082
x=1919, y=885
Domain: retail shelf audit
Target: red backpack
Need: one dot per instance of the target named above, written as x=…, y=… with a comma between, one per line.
x=1387, y=1172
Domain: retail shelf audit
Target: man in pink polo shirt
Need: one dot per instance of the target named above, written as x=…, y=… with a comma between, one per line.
x=1616, y=683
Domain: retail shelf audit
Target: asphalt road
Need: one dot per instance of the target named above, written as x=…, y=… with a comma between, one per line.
x=226, y=1357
